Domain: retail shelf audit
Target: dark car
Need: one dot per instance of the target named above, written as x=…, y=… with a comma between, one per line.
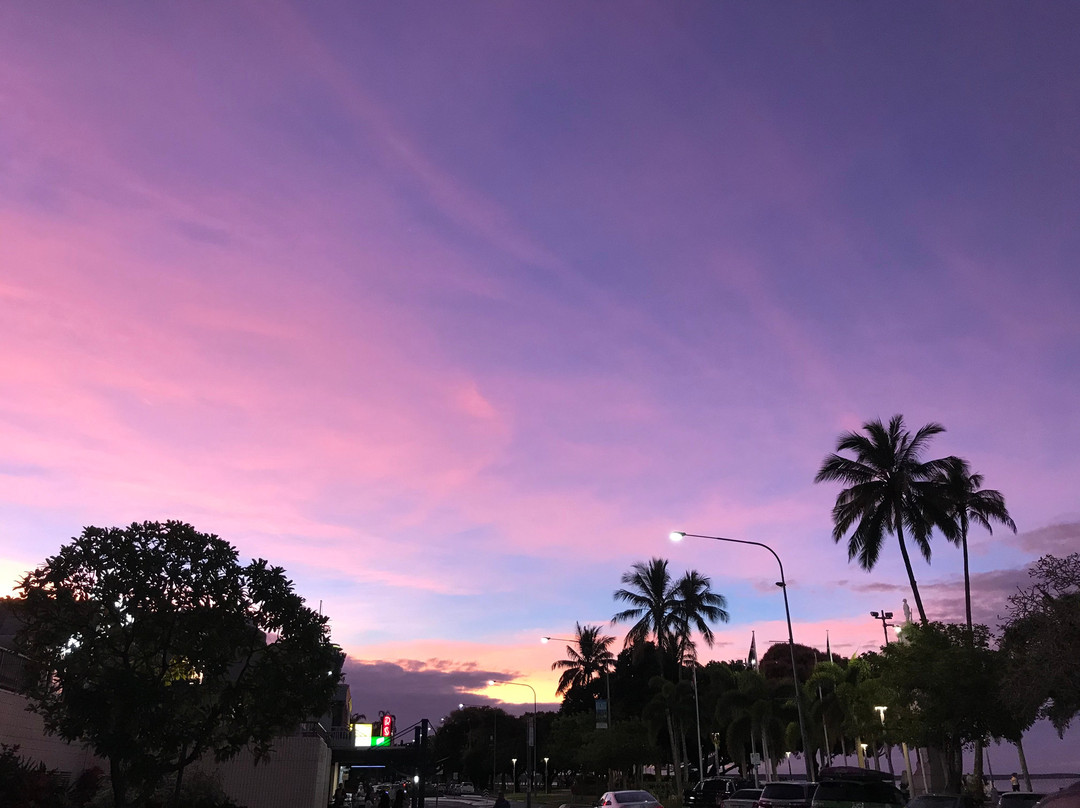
x=940, y=801
x=709, y=792
x=861, y=793
x=788, y=794
x=1068, y=797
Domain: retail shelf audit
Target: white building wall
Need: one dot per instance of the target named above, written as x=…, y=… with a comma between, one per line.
x=296, y=775
x=21, y=727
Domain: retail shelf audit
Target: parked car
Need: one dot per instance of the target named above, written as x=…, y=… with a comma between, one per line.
x=467, y=788
x=857, y=794
x=940, y=801
x=1019, y=799
x=710, y=792
x=743, y=798
x=629, y=799
x=787, y=794
x=1068, y=797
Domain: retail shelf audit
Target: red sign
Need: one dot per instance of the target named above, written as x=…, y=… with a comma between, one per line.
x=387, y=725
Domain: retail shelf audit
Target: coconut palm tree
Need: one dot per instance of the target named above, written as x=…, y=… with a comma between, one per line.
x=696, y=605
x=590, y=658
x=667, y=610
x=969, y=502
x=651, y=595
x=890, y=490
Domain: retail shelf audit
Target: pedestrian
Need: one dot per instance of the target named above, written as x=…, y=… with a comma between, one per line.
x=1015, y=782
x=501, y=801
x=384, y=798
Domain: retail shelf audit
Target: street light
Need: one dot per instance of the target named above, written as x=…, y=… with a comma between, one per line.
x=547, y=780
x=513, y=773
x=679, y=535
x=607, y=675
x=530, y=759
x=884, y=617
x=494, y=742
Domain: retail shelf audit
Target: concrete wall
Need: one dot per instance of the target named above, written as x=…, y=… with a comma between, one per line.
x=18, y=726
x=296, y=775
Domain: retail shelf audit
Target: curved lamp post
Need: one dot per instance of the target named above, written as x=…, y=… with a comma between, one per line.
x=679, y=535
x=530, y=759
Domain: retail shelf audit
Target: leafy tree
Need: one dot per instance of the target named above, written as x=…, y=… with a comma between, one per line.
x=938, y=686
x=890, y=490
x=154, y=647
x=591, y=658
x=969, y=502
x=1041, y=641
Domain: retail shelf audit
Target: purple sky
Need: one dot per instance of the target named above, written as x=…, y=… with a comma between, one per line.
x=456, y=309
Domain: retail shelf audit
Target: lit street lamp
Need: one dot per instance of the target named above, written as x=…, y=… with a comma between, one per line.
x=547, y=780
x=530, y=759
x=513, y=774
x=678, y=535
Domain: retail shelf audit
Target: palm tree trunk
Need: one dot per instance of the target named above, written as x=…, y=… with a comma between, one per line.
x=910, y=571
x=674, y=754
x=967, y=580
x=1023, y=762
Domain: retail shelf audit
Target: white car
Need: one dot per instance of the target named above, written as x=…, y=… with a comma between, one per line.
x=629, y=799
x=467, y=788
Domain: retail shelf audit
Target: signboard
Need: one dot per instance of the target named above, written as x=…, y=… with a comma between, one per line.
x=362, y=735
x=601, y=714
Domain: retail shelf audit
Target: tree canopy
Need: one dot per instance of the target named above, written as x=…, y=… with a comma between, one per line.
x=154, y=646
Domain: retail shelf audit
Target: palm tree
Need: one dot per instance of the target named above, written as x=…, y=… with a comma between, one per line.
x=890, y=489
x=666, y=610
x=970, y=502
x=652, y=600
x=696, y=606
x=591, y=657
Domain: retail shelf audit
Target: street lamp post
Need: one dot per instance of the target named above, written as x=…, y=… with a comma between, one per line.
x=494, y=743
x=513, y=774
x=530, y=758
x=678, y=535
x=884, y=617
x=547, y=779
x=607, y=677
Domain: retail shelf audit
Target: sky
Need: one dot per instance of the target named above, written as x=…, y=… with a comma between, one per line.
x=456, y=310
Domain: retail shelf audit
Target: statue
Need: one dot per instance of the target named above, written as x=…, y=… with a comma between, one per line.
x=907, y=612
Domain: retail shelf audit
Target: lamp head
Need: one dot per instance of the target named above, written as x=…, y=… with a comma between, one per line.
x=677, y=535
x=888, y=615
x=545, y=640
x=875, y=615
x=491, y=682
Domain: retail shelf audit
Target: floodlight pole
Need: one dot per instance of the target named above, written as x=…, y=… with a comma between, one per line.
x=782, y=583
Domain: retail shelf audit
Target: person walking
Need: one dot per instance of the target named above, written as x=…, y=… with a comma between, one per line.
x=1015, y=782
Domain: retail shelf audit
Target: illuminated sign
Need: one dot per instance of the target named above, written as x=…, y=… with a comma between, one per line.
x=361, y=734
x=387, y=726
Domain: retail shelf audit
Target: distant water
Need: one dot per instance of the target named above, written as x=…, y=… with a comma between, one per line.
x=1045, y=783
